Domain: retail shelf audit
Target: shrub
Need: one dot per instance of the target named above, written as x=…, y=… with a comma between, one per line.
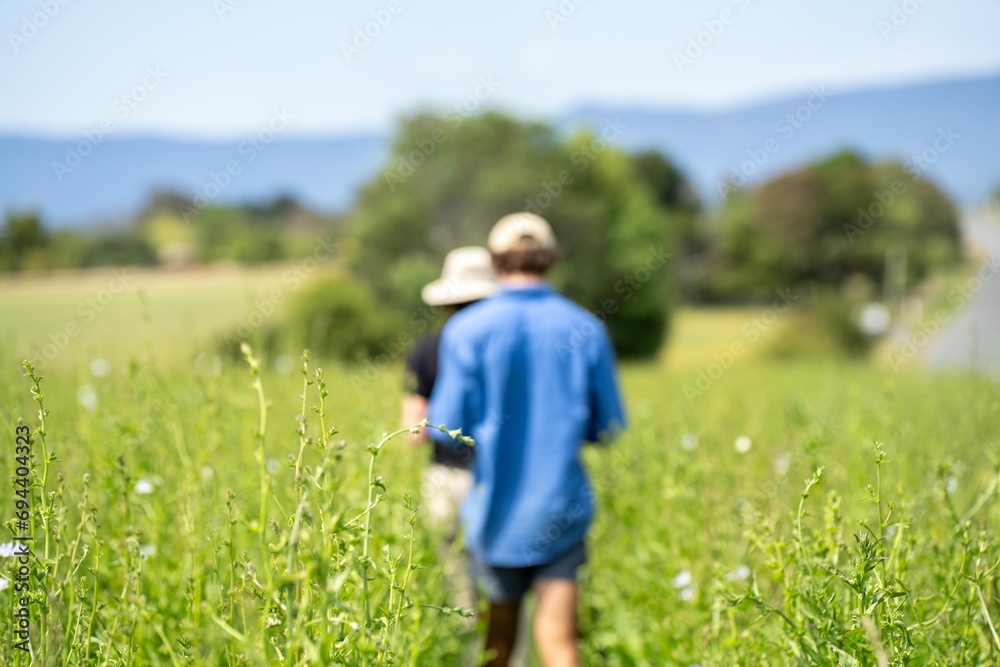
x=826, y=325
x=338, y=316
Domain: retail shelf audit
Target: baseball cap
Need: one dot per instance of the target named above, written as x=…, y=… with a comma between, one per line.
x=521, y=231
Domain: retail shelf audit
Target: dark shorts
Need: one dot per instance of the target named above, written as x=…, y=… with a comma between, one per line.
x=509, y=584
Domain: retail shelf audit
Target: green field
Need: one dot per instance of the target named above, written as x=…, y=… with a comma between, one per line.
x=177, y=314
x=170, y=531
x=170, y=313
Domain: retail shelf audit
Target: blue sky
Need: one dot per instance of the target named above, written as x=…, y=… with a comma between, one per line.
x=228, y=64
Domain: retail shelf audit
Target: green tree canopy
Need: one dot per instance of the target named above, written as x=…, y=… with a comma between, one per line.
x=674, y=193
x=23, y=242
x=450, y=178
x=830, y=221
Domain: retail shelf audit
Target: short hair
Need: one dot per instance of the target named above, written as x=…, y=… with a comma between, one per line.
x=535, y=261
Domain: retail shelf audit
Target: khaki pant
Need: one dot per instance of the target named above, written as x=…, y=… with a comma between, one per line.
x=443, y=490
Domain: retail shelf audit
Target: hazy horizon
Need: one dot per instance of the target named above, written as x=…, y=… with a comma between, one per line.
x=229, y=63
x=386, y=131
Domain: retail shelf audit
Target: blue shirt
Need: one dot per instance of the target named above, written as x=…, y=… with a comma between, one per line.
x=530, y=376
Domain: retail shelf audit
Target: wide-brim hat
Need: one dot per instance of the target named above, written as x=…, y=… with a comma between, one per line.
x=467, y=276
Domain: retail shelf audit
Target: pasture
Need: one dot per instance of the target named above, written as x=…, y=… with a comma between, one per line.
x=189, y=511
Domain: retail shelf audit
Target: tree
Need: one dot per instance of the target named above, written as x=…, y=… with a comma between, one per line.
x=23, y=242
x=674, y=193
x=830, y=222
x=167, y=200
x=124, y=247
x=451, y=178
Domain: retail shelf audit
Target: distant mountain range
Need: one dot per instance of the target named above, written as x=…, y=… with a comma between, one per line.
x=118, y=173
x=905, y=123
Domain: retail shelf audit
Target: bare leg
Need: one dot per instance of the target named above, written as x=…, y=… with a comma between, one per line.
x=555, y=623
x=501, y=632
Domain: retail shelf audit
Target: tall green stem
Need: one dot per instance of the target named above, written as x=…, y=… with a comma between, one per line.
x=258, y=386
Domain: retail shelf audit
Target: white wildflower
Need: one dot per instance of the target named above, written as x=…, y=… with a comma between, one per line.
x=741, y=573
x=100, y=368
x=782, y=463
x=144, y=487
x=208, y=364
x=284, y=364
x=683, y=579
x=87, y=397
x=10, y=549
x=743, y=444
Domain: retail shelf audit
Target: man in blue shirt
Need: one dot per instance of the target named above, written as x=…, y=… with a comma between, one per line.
x=530, y=376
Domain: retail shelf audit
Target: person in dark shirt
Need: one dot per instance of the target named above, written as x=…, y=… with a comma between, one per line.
x=466, y=278
x=421, y=373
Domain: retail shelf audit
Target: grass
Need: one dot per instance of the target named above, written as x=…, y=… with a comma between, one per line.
x=234, y=515
x=700, y=333
x=173, y=312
